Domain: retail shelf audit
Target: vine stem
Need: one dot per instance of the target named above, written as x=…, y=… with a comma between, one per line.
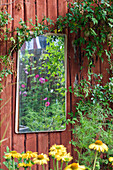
x=45, y=115
x=95, y=160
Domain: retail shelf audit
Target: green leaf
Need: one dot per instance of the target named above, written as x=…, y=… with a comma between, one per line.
x=95, y=21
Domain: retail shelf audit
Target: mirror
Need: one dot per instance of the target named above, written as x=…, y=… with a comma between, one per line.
x=41, y=82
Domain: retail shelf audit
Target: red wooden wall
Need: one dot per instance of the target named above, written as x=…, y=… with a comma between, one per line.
x=39, y=142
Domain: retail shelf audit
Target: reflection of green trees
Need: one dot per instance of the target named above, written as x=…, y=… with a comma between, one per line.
x=50, y=66
x=53, y=68
x=51, y=118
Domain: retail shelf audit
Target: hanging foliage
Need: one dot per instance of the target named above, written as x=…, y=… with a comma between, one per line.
x=94, y=20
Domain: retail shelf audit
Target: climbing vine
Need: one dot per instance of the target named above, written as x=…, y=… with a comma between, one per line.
x=94, y=19
x=16, y=38
x=91, y=22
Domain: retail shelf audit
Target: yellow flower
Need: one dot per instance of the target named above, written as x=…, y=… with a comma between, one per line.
x=99, y=146
x=13, y=154
x=59, y=30
x=24, y=164
x=56, y=150
x=25, y=156
x=21, y=165
x=58, y=157
x=67, y=158
x=29, y=154
x=57, y=147
x=18, y=155
x=55, y=31
x=7, y=156
x=41, y=159
x=75, y=166
x=29, y=164
x=34, y=154
x=111, y=160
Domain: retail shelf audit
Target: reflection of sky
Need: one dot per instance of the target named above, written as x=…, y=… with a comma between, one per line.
x=29, y=45
x=39, y=42
x=42, y=40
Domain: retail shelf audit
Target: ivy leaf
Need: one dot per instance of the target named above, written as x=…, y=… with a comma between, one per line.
x=95, y=21
x=93, y=32
x=110, y=19
x=12, y=39
x=111, y=25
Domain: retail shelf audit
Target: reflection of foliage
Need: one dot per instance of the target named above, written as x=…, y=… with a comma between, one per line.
x=54, y=65
x=42, y=87
x=55, y=56
x=50, y=118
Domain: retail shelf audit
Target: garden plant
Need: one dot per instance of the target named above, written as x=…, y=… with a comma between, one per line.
x=93, y=118
x=59, y=156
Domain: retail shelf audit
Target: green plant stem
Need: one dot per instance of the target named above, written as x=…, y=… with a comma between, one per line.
x=57, y=164
x=61, y=164
x=95, y=160
x=9, y=166
x=30, y=168
x=43, y=167
x=54, y=164
x=13, y=164
x=66, y=163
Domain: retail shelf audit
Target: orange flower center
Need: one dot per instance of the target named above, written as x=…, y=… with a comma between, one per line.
x=98, y=142
x=13, y=152
x=74, y=165
x=40, y=157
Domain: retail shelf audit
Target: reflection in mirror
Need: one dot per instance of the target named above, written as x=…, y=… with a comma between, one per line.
x=40, y=103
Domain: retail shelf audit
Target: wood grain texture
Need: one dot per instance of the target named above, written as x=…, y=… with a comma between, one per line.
x=52, y=9
x=29, y=14
x=41, y=9
x=18, y=139
x=29, y=11
x=41, y=142
x=43, y=146
x=5, y=108
x=62, y=7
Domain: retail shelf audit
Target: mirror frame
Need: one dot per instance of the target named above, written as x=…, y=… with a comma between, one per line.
x=17, y=90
